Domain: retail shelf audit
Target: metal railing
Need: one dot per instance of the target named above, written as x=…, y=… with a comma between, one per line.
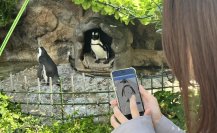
x=153, y=83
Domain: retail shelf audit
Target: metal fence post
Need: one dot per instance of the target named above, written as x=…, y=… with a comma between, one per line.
x=84, y=82
x=51, y=94
x=162, y=79
x=109, y=101
x=39, y=91
x=73, y=95
x=61, y=101
x=25, y=82
x=11, y=82
x=72, y=85
x=25, y=87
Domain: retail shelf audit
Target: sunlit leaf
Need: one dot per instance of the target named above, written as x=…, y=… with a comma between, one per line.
x=86, y=5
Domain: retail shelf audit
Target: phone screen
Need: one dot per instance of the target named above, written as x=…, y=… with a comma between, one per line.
x=126, y=85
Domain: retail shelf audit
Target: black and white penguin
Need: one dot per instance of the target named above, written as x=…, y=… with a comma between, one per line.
x=47, y=68
x=100, y=50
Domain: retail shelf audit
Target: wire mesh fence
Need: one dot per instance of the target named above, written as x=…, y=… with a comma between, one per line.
x=53, y=102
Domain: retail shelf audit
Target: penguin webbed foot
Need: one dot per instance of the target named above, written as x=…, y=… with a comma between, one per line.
x=47, y=84
x=58, y=84
x=44, y=83
x=97, y=61
x=106, y=61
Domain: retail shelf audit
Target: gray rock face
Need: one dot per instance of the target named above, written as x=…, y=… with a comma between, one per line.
x=62, y=28
x=145, y=37
x=47, y=23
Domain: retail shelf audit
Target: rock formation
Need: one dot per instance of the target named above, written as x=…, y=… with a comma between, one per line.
x=61, y=27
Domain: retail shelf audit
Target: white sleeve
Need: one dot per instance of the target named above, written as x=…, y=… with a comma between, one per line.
x=142, y=124
x=167, y=126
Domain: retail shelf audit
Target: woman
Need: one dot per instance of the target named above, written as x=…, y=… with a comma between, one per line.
x=190, y=45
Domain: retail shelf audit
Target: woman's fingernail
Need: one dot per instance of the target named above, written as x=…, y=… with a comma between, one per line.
x=133, y=97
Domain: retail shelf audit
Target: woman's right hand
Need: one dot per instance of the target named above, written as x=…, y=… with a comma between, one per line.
x=150, y=102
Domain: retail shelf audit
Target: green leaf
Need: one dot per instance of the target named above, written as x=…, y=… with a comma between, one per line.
x=96, y=7
x=86, y=5
x=109, y=10
x=117, y=15
x=144, y=21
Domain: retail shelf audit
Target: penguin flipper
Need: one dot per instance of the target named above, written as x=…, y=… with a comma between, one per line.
x=104, y=48
x=92, y=53
x=107, y=49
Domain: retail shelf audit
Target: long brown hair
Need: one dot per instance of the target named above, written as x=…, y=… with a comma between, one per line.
x=190, y=36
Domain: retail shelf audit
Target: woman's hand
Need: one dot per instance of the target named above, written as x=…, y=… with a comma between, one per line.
x=120, y=117
x=150, y=104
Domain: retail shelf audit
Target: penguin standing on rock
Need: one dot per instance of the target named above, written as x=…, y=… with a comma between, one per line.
x=47, y=68
x=100, y=50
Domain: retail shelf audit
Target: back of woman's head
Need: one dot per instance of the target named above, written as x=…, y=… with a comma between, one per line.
x=190, y=43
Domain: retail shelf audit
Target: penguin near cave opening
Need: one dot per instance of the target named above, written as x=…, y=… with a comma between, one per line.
x=100, y=50
x=47, y=68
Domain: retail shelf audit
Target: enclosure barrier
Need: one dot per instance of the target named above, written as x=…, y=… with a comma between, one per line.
x=164, y=76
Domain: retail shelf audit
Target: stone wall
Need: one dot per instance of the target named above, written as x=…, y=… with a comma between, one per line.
x=53, y=24
x=50, y=24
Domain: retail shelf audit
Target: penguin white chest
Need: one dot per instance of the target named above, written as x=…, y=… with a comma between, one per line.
x=98, y=50
x=44, y=74
x=39, y=53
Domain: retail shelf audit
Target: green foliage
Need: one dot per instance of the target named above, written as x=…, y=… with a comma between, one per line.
x=84, y=125
x=12, y=121
x=8, y=118
x=171, y=106
x=11, y=118
x=7, y=11
x=146, y=11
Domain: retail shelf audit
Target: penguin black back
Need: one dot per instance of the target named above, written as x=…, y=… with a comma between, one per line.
x=44, y=58
x=47, y=67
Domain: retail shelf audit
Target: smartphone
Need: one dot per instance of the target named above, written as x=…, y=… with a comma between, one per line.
x=125, y=85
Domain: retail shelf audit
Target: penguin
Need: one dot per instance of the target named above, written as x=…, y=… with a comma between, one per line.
x=47, y=68
x=100, y=50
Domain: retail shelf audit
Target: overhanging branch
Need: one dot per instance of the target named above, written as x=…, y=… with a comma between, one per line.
x=119, y=8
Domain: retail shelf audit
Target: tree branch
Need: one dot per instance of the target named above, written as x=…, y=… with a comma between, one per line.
x=157, y=6
x=119, y=8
